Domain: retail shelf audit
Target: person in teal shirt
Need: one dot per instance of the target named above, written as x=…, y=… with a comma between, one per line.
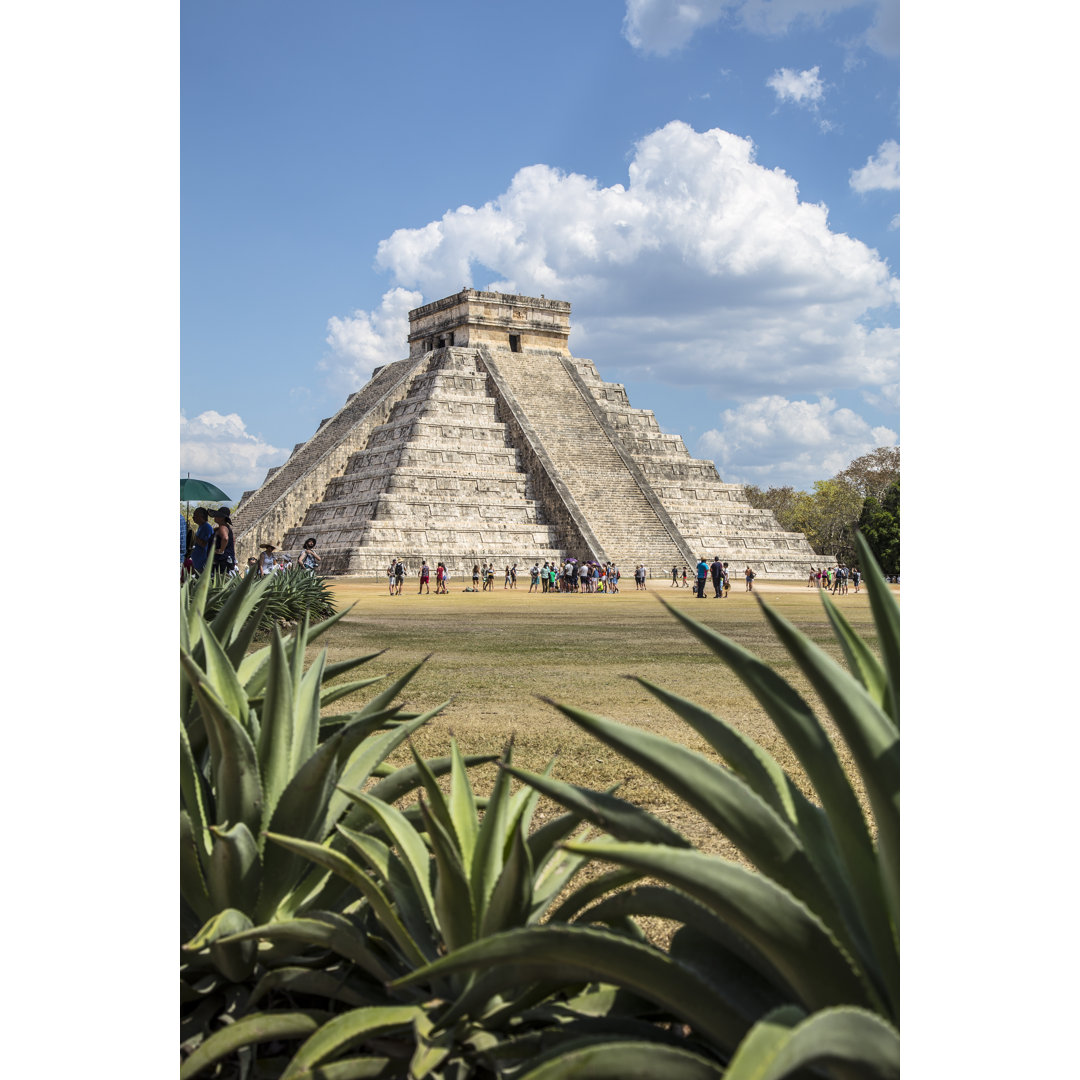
x=702, y=575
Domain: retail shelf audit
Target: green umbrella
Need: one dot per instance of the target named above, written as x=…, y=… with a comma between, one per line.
x=201, y=491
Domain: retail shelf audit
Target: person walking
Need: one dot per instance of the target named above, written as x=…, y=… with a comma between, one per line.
x=674, y=577
x=440, y=579
x=727, y=580
x=702, y=575
x=425, y=577
x=399, y=576
x=750, y=575
x=684, y=584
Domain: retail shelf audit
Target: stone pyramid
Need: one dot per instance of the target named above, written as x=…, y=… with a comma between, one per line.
x=492, y=443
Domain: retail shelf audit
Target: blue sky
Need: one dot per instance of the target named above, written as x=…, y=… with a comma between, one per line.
x=714, y=186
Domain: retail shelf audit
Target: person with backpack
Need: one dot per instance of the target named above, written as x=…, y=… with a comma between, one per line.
x=399, y=577
x=750, y=575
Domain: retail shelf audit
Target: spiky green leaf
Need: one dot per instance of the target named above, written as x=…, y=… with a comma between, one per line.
x=346, y=1031
x=798, y=944
x=248, y=1030
x=849, y=1043
x=625, y=1059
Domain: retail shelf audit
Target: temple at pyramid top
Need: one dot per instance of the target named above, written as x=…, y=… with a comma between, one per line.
x=477, y=318
x=491, y=442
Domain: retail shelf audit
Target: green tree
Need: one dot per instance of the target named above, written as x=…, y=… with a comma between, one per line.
x=873, y=473
x=879, y=522
x=829, y=518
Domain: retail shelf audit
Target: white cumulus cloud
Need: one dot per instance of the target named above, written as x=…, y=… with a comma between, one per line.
x=705, y=268
x=881, y=171
x=800, y=87
x=219, y=448
x=366, y=340
x=663, y=26
x=776, y=440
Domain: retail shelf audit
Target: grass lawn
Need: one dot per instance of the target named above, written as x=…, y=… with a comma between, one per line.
x=494, y=655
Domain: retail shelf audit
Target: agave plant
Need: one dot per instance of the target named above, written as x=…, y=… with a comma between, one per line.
x=255, y=755
x=425, y=884
x=772, y=971
x=290, y=595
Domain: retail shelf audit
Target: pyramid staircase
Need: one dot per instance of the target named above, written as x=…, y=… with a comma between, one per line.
x=439, y=480
x=715, y=518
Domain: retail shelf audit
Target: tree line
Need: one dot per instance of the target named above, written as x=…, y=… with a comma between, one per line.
x=864, y=496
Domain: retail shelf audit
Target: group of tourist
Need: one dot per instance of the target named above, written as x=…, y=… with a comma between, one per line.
x=208, y=544
x=215, y=544
x=395, y=577
x=718, y=571
x=835, y=578
x=577, y=577
x=570, y=576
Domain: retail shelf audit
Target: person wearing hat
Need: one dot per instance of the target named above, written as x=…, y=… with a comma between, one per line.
x=308, y=559
x=266, y=559
x=224, y=550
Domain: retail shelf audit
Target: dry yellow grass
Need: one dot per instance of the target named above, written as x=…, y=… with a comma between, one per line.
x=494, y=655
